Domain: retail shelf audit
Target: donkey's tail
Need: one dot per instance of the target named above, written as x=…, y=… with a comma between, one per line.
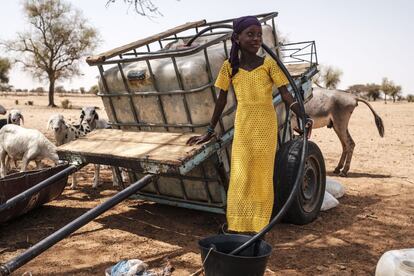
x=378, y=120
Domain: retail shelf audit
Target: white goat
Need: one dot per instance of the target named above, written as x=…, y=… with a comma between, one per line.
x=14, y=117
x=26, y=144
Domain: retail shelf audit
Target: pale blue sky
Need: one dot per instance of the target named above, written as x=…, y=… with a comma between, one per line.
x=366, y=39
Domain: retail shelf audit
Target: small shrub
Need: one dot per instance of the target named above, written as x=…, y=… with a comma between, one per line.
x=94, y=89
x=410, y=98
x=66, y=104
x=30, y=102
x=16, y=102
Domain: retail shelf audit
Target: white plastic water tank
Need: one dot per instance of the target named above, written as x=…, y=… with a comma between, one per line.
x=396, y=262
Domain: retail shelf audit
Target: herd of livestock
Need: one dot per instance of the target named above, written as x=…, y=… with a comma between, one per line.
x=18, y=143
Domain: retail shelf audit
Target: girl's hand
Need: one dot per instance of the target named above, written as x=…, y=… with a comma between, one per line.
x=196, y=140
x=308, y=126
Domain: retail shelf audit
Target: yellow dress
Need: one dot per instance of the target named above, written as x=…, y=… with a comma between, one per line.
x=250, y=194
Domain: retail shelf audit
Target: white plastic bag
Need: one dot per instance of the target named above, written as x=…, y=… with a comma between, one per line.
x=329, y=202
x=129, y=268
x=336, y=189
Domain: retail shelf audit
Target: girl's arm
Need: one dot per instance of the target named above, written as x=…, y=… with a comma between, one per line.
x=294, y=106
x=218, y=110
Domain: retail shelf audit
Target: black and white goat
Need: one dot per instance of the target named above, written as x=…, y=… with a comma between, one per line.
x=64, y=133
x=90, y=116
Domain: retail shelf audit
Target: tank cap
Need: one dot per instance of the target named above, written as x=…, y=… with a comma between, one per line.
x=136, y=75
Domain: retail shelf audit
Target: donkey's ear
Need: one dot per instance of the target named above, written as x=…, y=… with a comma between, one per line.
x=9, y=119
x=96, y=116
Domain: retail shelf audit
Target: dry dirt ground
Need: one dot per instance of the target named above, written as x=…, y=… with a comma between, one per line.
x=375, y=215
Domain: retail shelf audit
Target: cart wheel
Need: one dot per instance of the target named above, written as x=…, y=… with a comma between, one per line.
x=305, y=207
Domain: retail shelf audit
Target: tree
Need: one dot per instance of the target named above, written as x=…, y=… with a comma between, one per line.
x=395, y=92
x=4, y=70
x=373, y=90
x=386, y=88
x=329, y=76
x=94, y=89
x=357, y=89
x=60, y=89
x=142, y=7
x=58, y=38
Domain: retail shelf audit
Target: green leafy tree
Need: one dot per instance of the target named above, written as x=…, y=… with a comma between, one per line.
x=373, y=91
x=58, y=38
x=390, y=89
x=395, y=92
x=357, y=89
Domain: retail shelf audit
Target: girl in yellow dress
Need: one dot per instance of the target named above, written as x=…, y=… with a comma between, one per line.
x=250, y=194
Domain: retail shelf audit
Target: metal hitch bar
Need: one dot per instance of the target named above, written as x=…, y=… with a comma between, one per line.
x=38, y=248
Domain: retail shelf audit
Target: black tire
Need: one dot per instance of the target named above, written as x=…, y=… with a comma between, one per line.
x=308, y=201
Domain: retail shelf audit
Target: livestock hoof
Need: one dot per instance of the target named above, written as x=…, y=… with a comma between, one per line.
x=343, y=174
x=337, y=171
x=95, y=185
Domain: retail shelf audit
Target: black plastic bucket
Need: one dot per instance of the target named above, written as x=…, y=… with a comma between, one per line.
x=250, y=262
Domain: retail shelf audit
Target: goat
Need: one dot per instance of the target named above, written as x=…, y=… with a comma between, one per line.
x=25, y=144
x=91, y=117
x=15, y=116
x=65, y=133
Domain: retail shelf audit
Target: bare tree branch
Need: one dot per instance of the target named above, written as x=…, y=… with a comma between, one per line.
x=141, y=7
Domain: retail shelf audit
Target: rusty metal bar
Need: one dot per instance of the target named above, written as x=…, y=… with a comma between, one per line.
x=213, y=91
x=106, y=88
x=159, y=100
x=128, y=89
x=152, y=93
x=209, y=197
x=181, y=85
x=183, y=189
x=94, y=60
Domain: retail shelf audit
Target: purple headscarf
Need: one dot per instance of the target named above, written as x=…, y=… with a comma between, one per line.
x=239, y=25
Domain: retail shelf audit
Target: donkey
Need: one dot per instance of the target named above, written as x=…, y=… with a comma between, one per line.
x=333, y=108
